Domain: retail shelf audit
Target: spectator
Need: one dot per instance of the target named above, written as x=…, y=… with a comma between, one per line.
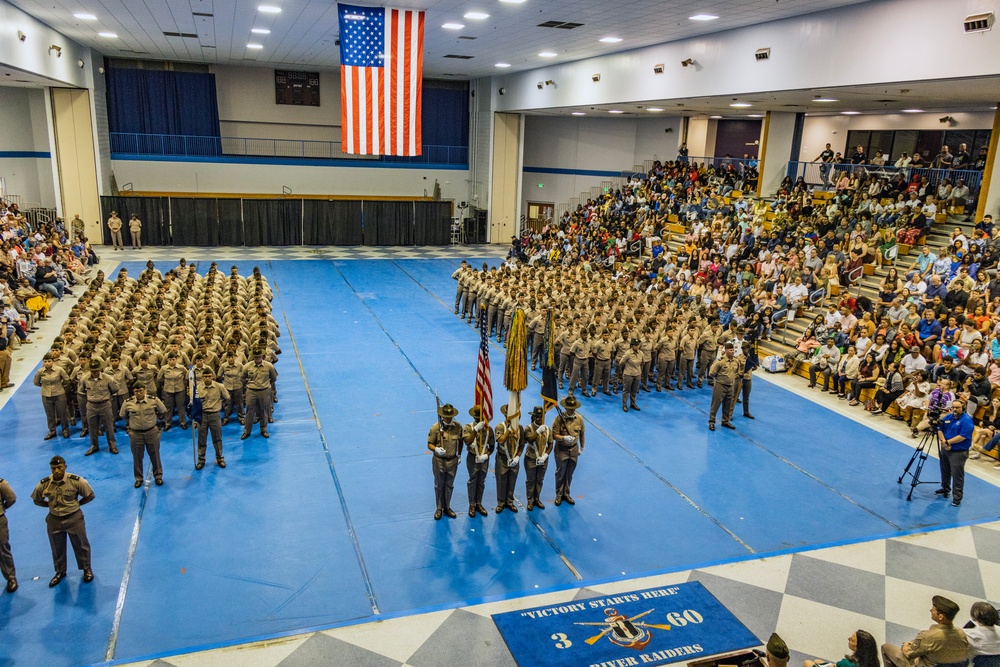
x=984, y=636
x=863, y=653
x=955, y=437
x=942, y=643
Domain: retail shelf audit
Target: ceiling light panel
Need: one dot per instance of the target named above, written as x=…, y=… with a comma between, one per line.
x=85, y=17
x=269, y=9
x=476, y=16
x=453, y=26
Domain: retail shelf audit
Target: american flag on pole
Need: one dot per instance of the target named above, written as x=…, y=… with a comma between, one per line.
x=484, y=382
x=381, y=66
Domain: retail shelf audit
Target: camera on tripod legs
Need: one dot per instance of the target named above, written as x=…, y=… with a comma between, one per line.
x=934, y=415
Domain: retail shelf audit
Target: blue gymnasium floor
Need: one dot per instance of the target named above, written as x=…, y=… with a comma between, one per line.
x=330, y=522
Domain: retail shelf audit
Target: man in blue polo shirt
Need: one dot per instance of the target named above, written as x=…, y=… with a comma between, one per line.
x=954, y=436
x=928, y=329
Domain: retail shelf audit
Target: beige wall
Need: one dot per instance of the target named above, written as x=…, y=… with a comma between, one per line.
x=504, y=214
x=74, y=141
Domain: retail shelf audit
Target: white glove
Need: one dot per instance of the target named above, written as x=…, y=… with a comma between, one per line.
x=439, y=451
x=482, y=458
x=542, y=459
x=568, y=438
x=479, y=427
x=543, y=430
x=512, y=463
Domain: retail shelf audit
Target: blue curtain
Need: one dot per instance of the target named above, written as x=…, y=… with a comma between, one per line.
x=445, y=116
x=157, y=102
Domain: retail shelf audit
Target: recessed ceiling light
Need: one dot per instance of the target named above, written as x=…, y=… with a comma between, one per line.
x=703, y=17
x=615, y=111
x=755, y=115
x=452, y=26
x=547, y=54
x=610, y=40
x=716, y=117
x=654, y=109
x=513, y=2
x=260, y=31
x=255, y=46
x=850, y=113
x=741, y=105
x=913, y=110
x=269, y=9
x=825, y=99
x=502, y=65
x=85, y=17
x=575, y=113
x=476, y=16
x=109, y=35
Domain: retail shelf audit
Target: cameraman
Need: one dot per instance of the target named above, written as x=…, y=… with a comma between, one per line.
x=955, y=437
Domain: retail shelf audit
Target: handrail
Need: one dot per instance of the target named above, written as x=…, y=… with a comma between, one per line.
x=200, y=146
x=825, y=174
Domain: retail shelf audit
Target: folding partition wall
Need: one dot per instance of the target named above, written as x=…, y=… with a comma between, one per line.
x=281, y=222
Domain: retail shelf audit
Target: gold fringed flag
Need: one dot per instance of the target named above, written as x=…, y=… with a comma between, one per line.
x=550, y=394
x=515, y=375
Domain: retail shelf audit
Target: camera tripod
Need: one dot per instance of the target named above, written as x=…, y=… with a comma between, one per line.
x=920, y=457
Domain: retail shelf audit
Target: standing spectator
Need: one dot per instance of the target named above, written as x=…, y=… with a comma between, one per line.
x=955, y=436
x=4, y=359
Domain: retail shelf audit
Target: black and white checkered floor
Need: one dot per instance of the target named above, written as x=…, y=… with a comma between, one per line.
x=193, y=253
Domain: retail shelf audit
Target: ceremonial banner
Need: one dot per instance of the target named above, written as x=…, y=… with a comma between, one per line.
x=550, y=394
x=381, y=70
x=484, y=382
x=656, y=626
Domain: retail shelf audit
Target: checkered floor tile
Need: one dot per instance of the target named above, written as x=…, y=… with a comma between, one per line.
x=814, y=600
x=197, y=253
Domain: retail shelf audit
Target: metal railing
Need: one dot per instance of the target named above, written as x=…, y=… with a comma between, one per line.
x=196, y=146
x=822, y=174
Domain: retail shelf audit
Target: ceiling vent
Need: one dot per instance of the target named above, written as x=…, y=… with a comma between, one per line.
x=979, y=22
x=457, y=57
x=762, y=54
x=565, y=25
x=466, y=37
x=181, y=34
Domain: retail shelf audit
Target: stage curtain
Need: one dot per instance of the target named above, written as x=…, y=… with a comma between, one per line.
x=274, y=222
x=154, y=212
x=231, y=222
x=331, y=222
x=432, y=223
x=388, y=223
x=194, y=221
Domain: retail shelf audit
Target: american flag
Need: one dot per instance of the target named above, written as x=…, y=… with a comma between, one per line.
x=381, y=65
x=484, y=382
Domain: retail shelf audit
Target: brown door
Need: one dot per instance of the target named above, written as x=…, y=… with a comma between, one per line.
x=540, y=214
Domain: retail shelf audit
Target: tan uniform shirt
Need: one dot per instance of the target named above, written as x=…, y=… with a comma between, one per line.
x=539, y=439
x=603, y=350
x=479, y=443
x=63, y=496
x=141, y=415
x=688, y=346
x=450, y=438
x=231, y=375
x=573, y=425
x=726, y=370
x=512, y=445
x=51, y=381
x=99, y=389
x=631, y=363
x=259, y=377
x=122, y=377
x=581, y=349
x=173, y=378
x=115, y=224
x=939, y=644
x=212, y=396
x=145, y=377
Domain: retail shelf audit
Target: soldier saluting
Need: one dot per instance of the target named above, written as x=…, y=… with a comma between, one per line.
x=480, y=442
x=444, y=440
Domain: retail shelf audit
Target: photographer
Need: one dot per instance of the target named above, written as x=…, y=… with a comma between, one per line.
x=955, y=438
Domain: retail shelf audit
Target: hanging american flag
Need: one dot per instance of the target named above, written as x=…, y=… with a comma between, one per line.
x=381, y=65
x=484, y=382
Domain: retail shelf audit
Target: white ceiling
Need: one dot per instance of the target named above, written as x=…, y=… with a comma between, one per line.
x=304, y=33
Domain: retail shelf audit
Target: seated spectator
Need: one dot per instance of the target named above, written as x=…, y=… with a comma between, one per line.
x=868, y=375
x=891, y=390
x=863, y=653
x=942, y=643
x=805, y=347
x=983, y=635
x=825, y=361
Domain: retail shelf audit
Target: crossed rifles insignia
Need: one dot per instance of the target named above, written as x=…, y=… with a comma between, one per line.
x=624, y=631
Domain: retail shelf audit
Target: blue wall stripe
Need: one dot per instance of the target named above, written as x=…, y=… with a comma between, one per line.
x=573, y=172
x=28, y=154
x=293, y=162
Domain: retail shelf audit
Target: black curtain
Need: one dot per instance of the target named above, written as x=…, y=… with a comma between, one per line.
x=331, y=222
x=432, y=223
x=388, y=223
x=194, y=221
x=154, y=212
x=163, y=102
x=275, y=222
x=231, y=222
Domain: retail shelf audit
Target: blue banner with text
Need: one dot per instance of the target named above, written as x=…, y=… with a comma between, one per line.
x=656, y=626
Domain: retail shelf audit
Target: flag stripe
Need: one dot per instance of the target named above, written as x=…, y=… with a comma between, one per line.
x=484, y=383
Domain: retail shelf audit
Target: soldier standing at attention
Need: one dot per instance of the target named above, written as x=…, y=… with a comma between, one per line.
x=567, y=432
x=726, y=370
x=63, y=494
x=631, y=365
x=231, y=373
x=98, y=389
x=212, y=394
x=173, y=380
x=603, y=349
x=480, y=442
x=115, y=227
x=7, y=499
x=708, y=345
x=538, y=437
x=258, y=376
x=135, y=231
x=580, y=351
x=52, y=379
x=444, y=441
x=507, y=463
x=140, y=413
